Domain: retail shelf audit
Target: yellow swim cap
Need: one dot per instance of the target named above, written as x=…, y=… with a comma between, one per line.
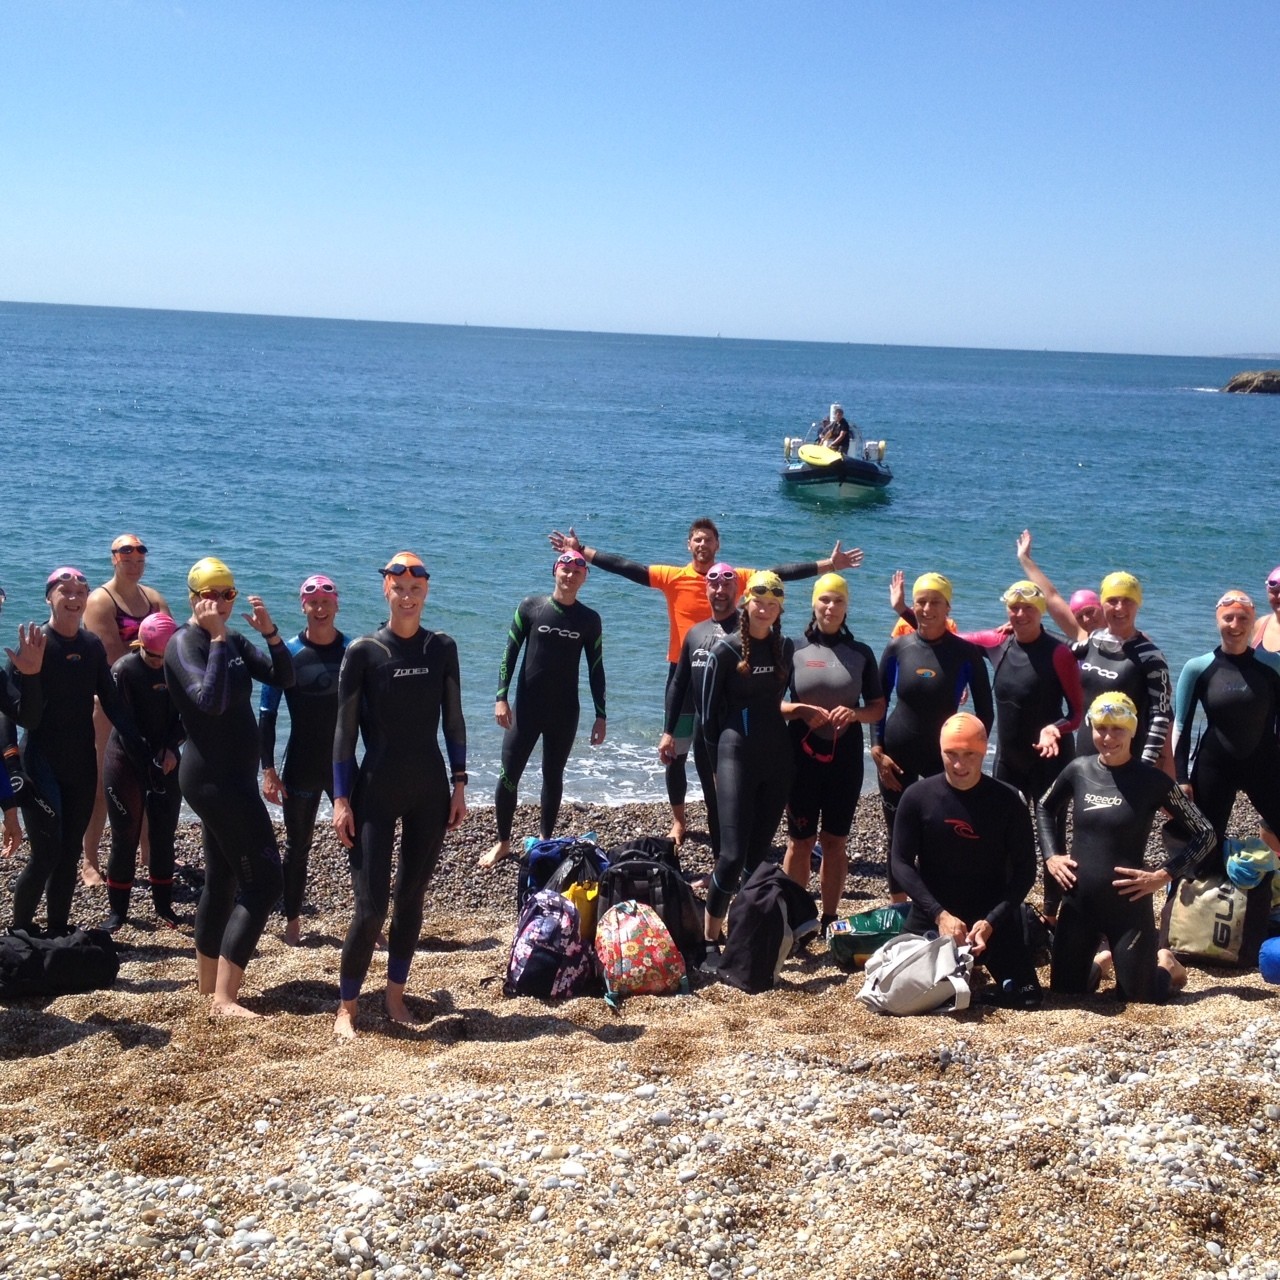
x=932, y=582
x=1121, y=584
x=1114, y=709
x=1025, y=592
x=830, y=584
x=207, y=574
x=764, y=582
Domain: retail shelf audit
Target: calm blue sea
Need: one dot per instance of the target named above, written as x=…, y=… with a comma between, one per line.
x=290, y=446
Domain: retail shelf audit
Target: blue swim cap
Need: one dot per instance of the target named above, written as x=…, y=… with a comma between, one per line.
x=1269, y=961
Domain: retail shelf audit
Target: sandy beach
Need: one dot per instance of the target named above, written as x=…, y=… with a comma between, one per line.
x=717, y=1135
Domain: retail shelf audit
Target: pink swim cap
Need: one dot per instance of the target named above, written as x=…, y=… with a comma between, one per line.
x=1273, y=578
x=1084, y=600
x=318, y=584
x=64, y=573
x=154, y=632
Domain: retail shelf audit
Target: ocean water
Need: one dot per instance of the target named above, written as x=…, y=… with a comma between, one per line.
x=294, y=446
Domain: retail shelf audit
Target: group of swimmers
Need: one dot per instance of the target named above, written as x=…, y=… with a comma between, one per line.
x=774, y=725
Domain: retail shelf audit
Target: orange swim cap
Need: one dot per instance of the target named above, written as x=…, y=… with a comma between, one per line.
x=963, y=732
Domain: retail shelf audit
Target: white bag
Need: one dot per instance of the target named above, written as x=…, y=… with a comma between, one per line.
x=917, y=973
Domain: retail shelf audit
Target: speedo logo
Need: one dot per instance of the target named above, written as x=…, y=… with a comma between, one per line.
x=410, y=671
x=1102, y=671
x=1101, y=802
x=559, y=631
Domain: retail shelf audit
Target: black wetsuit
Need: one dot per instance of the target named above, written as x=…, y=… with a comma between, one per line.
x=685, y=689
x=829, y=671
x=971, y=853
x=393, y=692
x=742, y=717
x=307, y=773
x=134, y=791
x=1239, y=748
x=1111, y=815
x=212, y=687
x=1136, y=667
x=555, y=637
x=21, y=706
x=929, y=678
x=61, y=762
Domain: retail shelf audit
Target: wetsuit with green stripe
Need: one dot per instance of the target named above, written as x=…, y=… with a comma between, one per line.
x=554, y=637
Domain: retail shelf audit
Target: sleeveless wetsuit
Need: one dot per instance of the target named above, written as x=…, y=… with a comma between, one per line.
x=971, y=853
x=1112, y=811
x=134, y=792
x=685, y=590
x=393, y=692
x=929, y=678
x=1239, y=749
x=829, y=672
x=61, y=761
x=742, y=717
x=685, y=688
x=212, y=687
x=1136, y=667
x=307, y=773
x=555, y=637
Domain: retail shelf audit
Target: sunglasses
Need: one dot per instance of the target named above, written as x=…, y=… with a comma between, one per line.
x=776, y=592
x=319, y=588
x=399, y=570
x=722, y=575
x=822, y=757
x=131, y=549
x=228, y=594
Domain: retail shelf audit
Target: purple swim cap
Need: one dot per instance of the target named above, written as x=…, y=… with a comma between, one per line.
x=1273, y=578
x=154, y=632
x=1084, y=600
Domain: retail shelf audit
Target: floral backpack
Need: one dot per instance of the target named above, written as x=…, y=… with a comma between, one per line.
x=548, y=957
x=637, y=954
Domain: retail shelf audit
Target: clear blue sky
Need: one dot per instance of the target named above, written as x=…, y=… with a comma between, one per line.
x=1083, y=176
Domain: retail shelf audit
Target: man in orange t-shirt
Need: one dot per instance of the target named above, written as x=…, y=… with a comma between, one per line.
x=685, y=589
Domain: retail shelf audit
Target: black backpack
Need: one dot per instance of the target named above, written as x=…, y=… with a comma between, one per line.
x=32, y=965
x=770, y=915
x=634, y=876
x=542, y=859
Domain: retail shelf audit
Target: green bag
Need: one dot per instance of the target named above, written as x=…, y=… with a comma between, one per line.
x=851, y=941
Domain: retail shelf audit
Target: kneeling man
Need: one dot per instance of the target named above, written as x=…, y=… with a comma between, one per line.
x=964, y=852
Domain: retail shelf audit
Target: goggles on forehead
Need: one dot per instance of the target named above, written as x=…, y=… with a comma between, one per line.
x=760, y=591
x=722, y=575
x=1273, y=584
x=398, y=570
x=574, y=558
x=1112, y=713
x=318, y=589
x=1234, y=597
x=1023, y=595
x=67, y=577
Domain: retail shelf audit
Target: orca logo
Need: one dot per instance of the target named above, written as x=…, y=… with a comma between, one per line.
x=559, y=631
x=962, y=829
x=1102, y=671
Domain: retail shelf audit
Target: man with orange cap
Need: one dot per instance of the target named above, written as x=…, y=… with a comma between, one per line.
x=964, y=852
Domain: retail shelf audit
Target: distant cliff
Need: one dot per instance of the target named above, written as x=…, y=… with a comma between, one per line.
x=1261, y=380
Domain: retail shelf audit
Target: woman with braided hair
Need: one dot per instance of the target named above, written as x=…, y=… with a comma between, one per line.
x=744, y=723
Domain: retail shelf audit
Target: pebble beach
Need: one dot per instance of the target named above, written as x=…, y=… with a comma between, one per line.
x=716, y=1135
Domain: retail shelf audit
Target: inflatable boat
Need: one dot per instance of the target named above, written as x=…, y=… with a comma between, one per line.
x=863, y=467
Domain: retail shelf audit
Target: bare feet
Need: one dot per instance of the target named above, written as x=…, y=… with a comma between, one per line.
x=231, y=1009
x=497, y=854
x=380, y=943
x=1174, y=967
x=90, y=875
x=1106, y=965
x=344, y=1025
x=292, y=932
x=398, y=1011
x=898, y=897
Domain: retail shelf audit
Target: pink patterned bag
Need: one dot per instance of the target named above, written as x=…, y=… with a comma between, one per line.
x=637, y=953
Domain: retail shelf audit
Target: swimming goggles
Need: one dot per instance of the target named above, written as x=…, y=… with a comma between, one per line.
x=1112, y=715
x=722, y=575
x=1236, y=597
x=822, y=757
x=318, y=588
x=574, y=558
x=1273, y=584
x=776, y=592
x=130, y=549
x=68, y=577
x=414, y=570
x=218, y=593
x=1023, y=595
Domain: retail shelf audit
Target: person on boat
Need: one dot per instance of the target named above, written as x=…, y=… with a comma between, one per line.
x=555, y=631
x=21, y=704
x=135, y=790
x=395, y=689
x=964, y=852
x=57, y=753
x=1116, y=658
x=1239, y=749
x=834, y=671
x=114, y=614
x=684, y=587
x=926, y=672
x=744, y=720
x=210, y=671
x=1114, y=798
x=834, y=431
x=307, y=773
x=688, y=683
